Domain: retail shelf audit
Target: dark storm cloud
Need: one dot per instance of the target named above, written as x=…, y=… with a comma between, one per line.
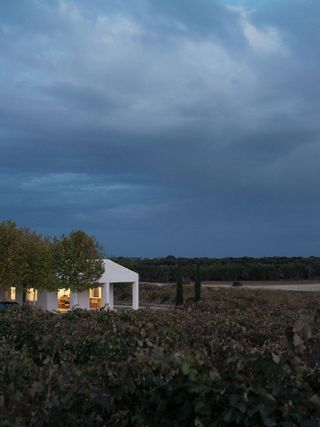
x=161, y=127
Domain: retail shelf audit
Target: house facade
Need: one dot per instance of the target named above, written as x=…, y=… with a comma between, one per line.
x=95, y=298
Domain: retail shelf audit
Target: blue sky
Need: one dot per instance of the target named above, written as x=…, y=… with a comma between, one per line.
x=163, y=127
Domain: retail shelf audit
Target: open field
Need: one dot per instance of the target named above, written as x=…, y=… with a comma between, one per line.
x=294, y=285
x=158, y=294
x=243, y=358
x=300, y=287
x=285, y=285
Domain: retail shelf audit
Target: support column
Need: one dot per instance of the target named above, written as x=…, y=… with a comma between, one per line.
x=106, y=295
x=51, y=301
x=135, y=295
x=73, y=299
x=111, y=296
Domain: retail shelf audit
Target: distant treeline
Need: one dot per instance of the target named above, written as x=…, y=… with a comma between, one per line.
x=225, y=269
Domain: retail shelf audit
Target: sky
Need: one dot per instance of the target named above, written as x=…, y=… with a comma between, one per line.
x=181, y=127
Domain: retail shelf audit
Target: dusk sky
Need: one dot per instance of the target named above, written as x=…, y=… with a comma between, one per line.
x=187, y=127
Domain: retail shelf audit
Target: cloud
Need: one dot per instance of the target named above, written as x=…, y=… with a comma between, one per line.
x=170, y=127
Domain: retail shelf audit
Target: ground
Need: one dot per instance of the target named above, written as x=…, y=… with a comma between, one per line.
x=162, y=295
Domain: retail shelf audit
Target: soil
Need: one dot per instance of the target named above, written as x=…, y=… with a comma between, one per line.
x=286, y=285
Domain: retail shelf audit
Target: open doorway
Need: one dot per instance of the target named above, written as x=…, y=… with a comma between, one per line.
x=32, y=295
x=122, y=294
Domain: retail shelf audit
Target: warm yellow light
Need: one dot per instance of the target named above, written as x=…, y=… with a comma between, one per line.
x=13, y=293
x=63, y=293
x=32, y=294
x=63, y=299
x=95, y=292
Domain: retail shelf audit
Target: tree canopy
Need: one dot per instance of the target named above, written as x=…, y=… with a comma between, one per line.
x=78, y=261
x=197, y=284
x=34, y=261
x=179, y=286
x=12, y=263
x=225, y=269
x=38, y=268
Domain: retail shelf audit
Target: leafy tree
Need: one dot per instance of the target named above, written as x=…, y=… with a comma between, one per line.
x=33, y=261
x=179, y=286
x=12, y=263
x=78, y=261
x=38, y=267
x=25, y=258
x=197, y=284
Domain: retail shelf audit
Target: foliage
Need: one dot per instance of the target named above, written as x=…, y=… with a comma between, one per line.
x=25, y=258
x=78, y=261
x=244, y=359
x=38, y=261
x=179, y=286
x=197, y=284
x=34, y=261
x=225, y=269
x=11, y=254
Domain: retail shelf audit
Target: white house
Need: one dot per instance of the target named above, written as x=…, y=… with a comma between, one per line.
x=95, y=298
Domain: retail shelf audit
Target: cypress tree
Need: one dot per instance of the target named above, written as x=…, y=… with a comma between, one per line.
x=197, y=284
x=179, y=286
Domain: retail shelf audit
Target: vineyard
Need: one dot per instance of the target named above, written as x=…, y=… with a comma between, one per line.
x=239, y=358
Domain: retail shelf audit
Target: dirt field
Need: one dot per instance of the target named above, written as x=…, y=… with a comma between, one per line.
x=306, y=287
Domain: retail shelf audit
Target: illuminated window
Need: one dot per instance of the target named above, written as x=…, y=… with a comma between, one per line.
x=10, y=294
x=63, y=299
x=95, y=292
x=32, y=294
x=95, y=297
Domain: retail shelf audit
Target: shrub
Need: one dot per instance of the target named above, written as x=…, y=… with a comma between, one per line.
x=220, y=363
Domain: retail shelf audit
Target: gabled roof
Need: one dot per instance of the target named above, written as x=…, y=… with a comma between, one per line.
x=116, y=273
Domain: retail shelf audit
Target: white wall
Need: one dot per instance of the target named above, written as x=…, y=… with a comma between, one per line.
x=19, y=294
x=115, y=273
x=83, y=299
x=52, y=301
x=42, y=300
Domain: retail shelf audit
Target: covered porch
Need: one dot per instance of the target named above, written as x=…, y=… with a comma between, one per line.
x=103, y=296
x=115, y=275
x=94, y=298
